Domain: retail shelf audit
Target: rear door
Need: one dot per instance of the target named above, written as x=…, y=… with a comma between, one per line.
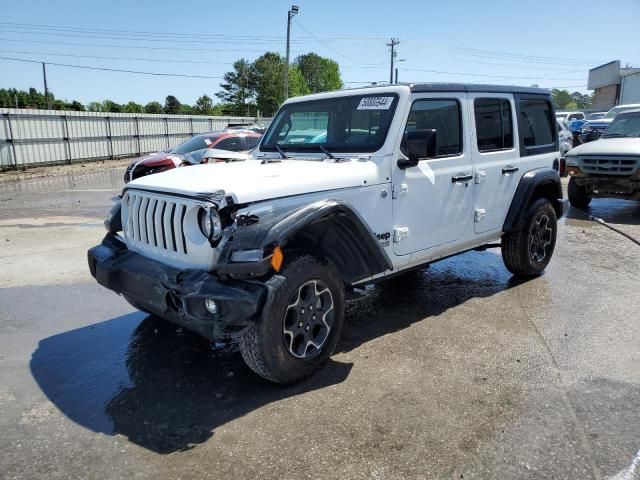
x=496, y=157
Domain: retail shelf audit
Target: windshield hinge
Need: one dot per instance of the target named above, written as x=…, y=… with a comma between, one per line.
x=398, y=189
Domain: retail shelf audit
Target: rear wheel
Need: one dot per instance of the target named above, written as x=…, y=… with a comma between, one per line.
x=302, y=327
x=527, y=251
x=578, y=196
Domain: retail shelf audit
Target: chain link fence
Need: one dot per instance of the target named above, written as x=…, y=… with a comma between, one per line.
x=51, y=137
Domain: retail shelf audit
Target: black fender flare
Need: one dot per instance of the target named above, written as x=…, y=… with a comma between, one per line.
x=540, y=182
x=332, y=228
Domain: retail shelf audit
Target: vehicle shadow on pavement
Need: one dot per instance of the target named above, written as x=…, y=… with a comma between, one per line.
x=397, y=303
x=168, y=390
x=165, y=389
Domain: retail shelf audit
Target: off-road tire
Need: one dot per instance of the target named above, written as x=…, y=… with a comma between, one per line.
x=578, y=196
x=517, y=245
x=264, y=346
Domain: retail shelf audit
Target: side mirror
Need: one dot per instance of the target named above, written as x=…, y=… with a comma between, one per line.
x=418, y=144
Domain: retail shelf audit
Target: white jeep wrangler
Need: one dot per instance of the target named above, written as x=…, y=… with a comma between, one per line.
x=346, y=188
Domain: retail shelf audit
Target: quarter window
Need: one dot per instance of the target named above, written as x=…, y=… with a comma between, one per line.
x=535, y=120
x=494, y=127
x=444, y=117
x=233, y=144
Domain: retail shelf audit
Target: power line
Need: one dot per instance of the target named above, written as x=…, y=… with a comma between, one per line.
x=333, y=49
x=99, y=57
x=525, y=77
x=138, y=72
x=145, y=47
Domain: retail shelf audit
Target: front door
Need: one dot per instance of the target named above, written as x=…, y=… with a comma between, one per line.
x=433, y=201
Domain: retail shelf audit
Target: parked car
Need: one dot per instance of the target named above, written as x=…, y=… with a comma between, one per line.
x=565, y=137
x=594, y=128
x=568, y=116
x=233, y=140
x=608, y=167
x=595, y=115
x=264, y=251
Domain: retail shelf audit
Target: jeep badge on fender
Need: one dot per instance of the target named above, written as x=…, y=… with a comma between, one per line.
x=467, y=165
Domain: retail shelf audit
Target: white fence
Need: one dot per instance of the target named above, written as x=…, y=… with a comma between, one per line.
x=52, y=137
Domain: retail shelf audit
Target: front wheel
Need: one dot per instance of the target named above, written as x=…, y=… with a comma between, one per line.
x=302, y=327
x=527, y=251
x=578, y=196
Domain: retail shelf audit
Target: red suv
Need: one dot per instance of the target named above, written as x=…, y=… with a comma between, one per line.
x=187, y=153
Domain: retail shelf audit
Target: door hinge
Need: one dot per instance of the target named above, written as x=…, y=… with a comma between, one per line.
x=400, y=233
x=480, y=176
x=479, y=214
x=398, y=189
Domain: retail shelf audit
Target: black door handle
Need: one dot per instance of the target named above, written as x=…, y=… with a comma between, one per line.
x=461, y=178
x=507, y=170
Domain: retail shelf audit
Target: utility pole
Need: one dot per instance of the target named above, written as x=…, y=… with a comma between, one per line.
x=46, y=90
x=396, y=75
x=290, y=14
x=394, y=42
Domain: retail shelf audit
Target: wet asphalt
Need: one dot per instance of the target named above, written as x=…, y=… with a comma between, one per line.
x=455, y=371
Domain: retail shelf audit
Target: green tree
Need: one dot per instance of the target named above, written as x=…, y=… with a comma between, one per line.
x=186, y=109
x=94, y=107
x=582, y=101
x=153, y=107
x=76, y=105
x=319, y=73
x=171, y=105
x=204, y=105
x=111, y=106
x=561, y=98
x=132, y=107
x=268, y=75
x=239, y=88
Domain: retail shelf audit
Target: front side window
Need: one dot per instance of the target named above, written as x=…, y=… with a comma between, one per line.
x=444, y=117
x=535, y=123
x=493, y=124
x=252, y=142
x=357, y=123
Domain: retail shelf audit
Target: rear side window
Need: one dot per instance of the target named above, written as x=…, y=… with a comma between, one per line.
x=535, y=123
x=494, y=126
x=444, y=117
x=233, y=144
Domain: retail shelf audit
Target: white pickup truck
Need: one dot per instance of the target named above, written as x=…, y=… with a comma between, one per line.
x=345, y=189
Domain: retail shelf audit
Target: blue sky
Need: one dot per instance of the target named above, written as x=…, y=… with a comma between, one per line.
x=549, y=43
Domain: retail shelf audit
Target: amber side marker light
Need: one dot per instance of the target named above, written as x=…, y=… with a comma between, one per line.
x=277, y=258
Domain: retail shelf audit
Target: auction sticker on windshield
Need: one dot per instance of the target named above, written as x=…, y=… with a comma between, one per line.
x=375, y=103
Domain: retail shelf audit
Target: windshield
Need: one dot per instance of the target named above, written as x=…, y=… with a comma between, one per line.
x=561, y=116
x=616, y=110
x=357, y=123
x=196, y=143
x=625, y=125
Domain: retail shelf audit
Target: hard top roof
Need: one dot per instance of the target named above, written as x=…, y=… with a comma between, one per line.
x=474, y=87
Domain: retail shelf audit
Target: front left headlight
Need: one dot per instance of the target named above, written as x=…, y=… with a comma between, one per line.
x=210, y=223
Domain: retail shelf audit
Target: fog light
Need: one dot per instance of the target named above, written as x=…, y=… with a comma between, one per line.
x=211, y=305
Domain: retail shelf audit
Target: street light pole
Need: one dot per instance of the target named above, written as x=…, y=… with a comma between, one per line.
x=290, y=14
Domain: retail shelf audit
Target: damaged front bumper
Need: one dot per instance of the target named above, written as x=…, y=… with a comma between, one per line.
x=178, y=295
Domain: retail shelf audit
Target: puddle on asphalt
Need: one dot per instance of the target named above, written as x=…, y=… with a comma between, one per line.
x=168, y=390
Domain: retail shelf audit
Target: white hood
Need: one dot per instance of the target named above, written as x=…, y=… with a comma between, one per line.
x=253, y=180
